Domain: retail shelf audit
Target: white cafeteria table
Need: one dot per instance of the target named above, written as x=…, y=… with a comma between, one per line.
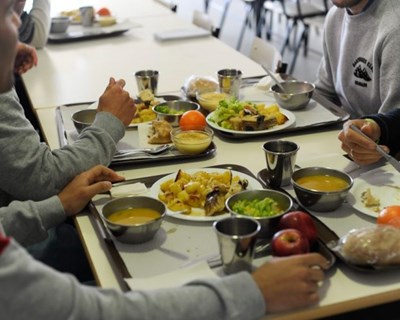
x=344, y=289
x=82, y=69
x=78, y=72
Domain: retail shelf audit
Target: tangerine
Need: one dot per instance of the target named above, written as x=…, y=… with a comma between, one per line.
x=390, y=215
x=192, y=119
x=104, y=12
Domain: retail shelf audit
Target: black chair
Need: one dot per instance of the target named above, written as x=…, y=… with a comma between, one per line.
x=249, y=20
x=297, y=10
x=271, y=8
x=316, y=22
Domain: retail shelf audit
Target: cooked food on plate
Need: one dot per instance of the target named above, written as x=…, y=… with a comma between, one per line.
x=103, y=16
x=74, y=15
x=144, y=113
x=247, y=116
x=202, y=189
x=146, y=95
x=370, y=201
x=159, y=132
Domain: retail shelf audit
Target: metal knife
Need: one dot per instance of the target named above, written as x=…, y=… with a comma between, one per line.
x=378, y=148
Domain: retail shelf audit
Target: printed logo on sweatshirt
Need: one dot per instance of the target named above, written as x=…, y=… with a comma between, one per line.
x=362, y=70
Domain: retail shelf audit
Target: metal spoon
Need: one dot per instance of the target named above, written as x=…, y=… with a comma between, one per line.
x=275, y=79
x=151, y=151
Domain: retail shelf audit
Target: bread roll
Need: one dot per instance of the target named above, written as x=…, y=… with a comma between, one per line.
x=199, y=84
x=378, y=245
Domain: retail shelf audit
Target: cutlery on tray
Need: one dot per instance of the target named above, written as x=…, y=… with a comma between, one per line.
x=378, y=148
x=277, y=82
x=151, y=151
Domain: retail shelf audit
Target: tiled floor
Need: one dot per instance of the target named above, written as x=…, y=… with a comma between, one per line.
x=305, y=68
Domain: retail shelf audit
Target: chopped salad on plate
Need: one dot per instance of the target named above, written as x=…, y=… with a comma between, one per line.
x=238, y=115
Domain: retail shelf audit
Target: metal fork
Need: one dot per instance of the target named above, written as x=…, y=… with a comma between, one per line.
x=151, y=151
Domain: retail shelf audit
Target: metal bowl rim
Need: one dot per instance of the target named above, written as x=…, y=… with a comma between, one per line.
x=262, y=190
x=313, y=191
x=162, y=215
x=293, y=81
x=90, y=111
x=171, y=102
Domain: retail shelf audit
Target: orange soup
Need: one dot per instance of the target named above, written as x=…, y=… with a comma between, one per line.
x=133, y=216
x=322, y=183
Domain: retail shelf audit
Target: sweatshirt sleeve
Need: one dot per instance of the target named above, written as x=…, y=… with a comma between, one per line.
x=40, y=14
x=390, y=133
x=29, y=221
x=325, y=81
x=43, y=292
x=30, y=170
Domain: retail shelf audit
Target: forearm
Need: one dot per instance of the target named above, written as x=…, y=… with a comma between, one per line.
x=29, y=221
x=40, y=14
x=45, y=292
x=30, y=170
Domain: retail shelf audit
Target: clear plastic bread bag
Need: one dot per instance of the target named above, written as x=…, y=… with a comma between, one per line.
x=199, y=84
x=377, y=245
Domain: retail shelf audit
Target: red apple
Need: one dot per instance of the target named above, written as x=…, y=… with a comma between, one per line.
x=301, y=221
x=288, y=242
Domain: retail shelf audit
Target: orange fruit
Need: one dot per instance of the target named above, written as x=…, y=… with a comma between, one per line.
x=192, y=119
x=389, y=215
x=104, y=12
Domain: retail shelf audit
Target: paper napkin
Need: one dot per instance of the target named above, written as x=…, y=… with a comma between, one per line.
x=126, y=190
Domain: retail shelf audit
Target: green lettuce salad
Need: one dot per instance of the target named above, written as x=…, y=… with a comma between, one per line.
x=226, y=110
x=266, y=207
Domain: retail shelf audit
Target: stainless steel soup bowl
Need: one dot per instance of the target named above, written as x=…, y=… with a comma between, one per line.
x=298, y=94
x=136, y=233
x=180, y=105
x=83, y=118
x=317, y=200
x=268, y=224
x=59, y=24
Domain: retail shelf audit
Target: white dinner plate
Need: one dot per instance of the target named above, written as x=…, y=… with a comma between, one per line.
x=197, y=213
x=384, y=184
x=291, y=120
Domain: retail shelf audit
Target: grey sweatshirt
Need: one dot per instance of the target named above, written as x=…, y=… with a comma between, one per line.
x=31, y=290
x=359, y=70
x=29, y=170
x=40, y=14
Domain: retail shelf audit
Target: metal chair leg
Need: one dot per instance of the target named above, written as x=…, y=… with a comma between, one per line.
x=206, y=5
x=246, y=22
x=286, y=43
x=224, y=13
x=303, y=38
